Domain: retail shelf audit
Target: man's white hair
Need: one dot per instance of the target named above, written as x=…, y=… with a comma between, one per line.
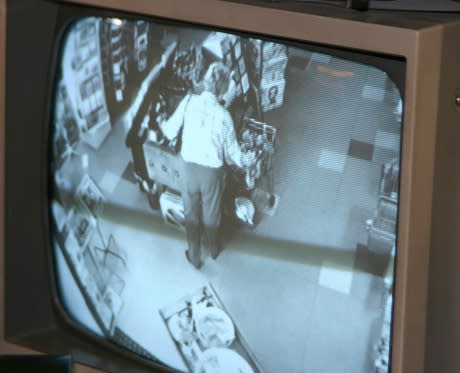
x=217, y=79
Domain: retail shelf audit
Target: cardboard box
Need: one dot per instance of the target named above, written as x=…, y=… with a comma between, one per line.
x=267, y=51
x=272, y=94
x=274, y=69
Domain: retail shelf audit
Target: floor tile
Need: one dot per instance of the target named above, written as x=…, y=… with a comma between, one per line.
x=364, y=132
x=331, y=160
x=373, y=93
x=332, y=349
x=387, y=140
x=354, y=191
x=355, y=230
x=368, y=283
x=362, y=150
x=128, y=173
x=109, y=182
x=337, y=276
x=299, y=62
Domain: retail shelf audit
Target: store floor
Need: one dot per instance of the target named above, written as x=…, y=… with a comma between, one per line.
x=302, y=288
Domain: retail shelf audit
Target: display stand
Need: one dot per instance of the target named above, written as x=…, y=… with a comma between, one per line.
x=86, y=84
x=382, y=227
x=268, y=61
x=90, y=195
x=67, y=135
x=382, y=240
x=97, y=268
x=97, y=134
x=382, y=347
x=179, y=320
x=389, y=181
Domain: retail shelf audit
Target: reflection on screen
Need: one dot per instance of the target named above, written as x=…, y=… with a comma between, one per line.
x=224, y=203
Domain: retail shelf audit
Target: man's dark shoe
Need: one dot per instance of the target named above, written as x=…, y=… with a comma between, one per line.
x=187, y=255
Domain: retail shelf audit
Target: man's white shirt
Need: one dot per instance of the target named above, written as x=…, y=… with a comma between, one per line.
x=208, y=136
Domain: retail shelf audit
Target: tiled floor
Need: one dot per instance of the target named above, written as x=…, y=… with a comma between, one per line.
x=302, y=288
x=337, y=276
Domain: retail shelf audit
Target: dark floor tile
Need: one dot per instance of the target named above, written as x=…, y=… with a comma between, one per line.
x=128, y=173
x=370, y=262
x=361, y=150
x=382, y=155
x=299, y=62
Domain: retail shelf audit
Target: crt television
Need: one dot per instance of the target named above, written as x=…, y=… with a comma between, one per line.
x=338, y=243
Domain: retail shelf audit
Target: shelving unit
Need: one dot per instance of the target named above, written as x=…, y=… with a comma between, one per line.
x=97, y=267
x=68, y=132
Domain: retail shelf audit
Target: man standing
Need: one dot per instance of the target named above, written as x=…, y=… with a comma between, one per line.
x=208, y=142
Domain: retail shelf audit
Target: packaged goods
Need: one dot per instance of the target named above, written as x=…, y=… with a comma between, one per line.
x=272, y=94
x=273, y=70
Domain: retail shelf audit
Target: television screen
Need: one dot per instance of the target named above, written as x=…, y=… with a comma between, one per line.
x=223, y=201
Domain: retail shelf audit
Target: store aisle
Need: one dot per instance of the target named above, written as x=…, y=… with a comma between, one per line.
x=326, y=170
x=316, y=258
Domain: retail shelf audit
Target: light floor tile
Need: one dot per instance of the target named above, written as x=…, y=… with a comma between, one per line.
x=373, y=93
x=387, y=140
x=332, y=160
x=109, y=181
x=341, y=335
x=336, y=276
